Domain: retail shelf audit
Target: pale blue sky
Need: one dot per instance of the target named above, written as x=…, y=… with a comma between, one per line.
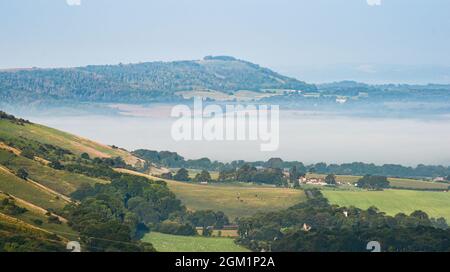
x=315, y=40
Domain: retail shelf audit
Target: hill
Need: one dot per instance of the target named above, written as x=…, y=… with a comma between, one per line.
x=139, y=83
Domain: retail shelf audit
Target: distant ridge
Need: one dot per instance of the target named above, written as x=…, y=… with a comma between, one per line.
x=140, y=82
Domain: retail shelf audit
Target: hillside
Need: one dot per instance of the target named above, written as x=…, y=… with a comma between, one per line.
x=48, y=136
x=139, y=83
x=35, y=190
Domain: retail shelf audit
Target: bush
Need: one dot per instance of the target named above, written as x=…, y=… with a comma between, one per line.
x=175, y=228
x=85, y=156
x=54, y=219
x=373, y=182
x=22, y=173
x=38, y=222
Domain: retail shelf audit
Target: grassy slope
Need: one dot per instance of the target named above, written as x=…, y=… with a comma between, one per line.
x=11, y=184
x=252, y=199
x=60, y=181
x=436, y=204
x=62, y=139
x=35, y=213
x=174, y=243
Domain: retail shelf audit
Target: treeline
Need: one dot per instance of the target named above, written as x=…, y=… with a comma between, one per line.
x=12, y=118
x=317, y=226
x=174, y=160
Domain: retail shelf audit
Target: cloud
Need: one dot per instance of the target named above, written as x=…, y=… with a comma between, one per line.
x=73, y=2
x=374, y=2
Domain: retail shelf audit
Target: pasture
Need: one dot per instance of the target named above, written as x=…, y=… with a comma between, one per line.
x=234, y=199
x=175, y=243
x=435, y=204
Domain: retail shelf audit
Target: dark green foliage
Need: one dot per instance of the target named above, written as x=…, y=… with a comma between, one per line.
x=330, y=230
x=248, y=173
x=120, y=210
x=373, y=182
x=167, y=175
x=22, y=173
x=38, y=222
x=56, y=165
x=53, y=220
x=8, y=206
x=208, y=218
x=274, y=163
x=176, y=228
x=203, y=176
x=85, y=156
x=227, y=175
x=12, y=118
x=356, y=168
x=182, y=175
x=330, y=179
x=28, y=243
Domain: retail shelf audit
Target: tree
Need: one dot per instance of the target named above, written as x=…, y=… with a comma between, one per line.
x=204, y=176
x=274, y=163
x=22, y=173
x=245, y=173
x=167, y=175
x=227, y=175
x=373, y=182
x=182, y=175
x=293, y=174
x=56, y=165
x=330, y=179
x=207, y=231
x=85, y=156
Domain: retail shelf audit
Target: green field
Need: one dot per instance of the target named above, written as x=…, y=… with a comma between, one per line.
x=174, y=243
x=235, y=199
x=436, y=204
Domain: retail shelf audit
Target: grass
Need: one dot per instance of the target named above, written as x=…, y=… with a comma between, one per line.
x=174, y=243
x=32, y=215
x=61, y=181
x=20, y=188
x=77, y=145
x=435, y=204
x=417, y=184
x=234, y=199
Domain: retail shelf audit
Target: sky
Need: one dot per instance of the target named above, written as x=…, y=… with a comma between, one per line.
x=375, y=41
